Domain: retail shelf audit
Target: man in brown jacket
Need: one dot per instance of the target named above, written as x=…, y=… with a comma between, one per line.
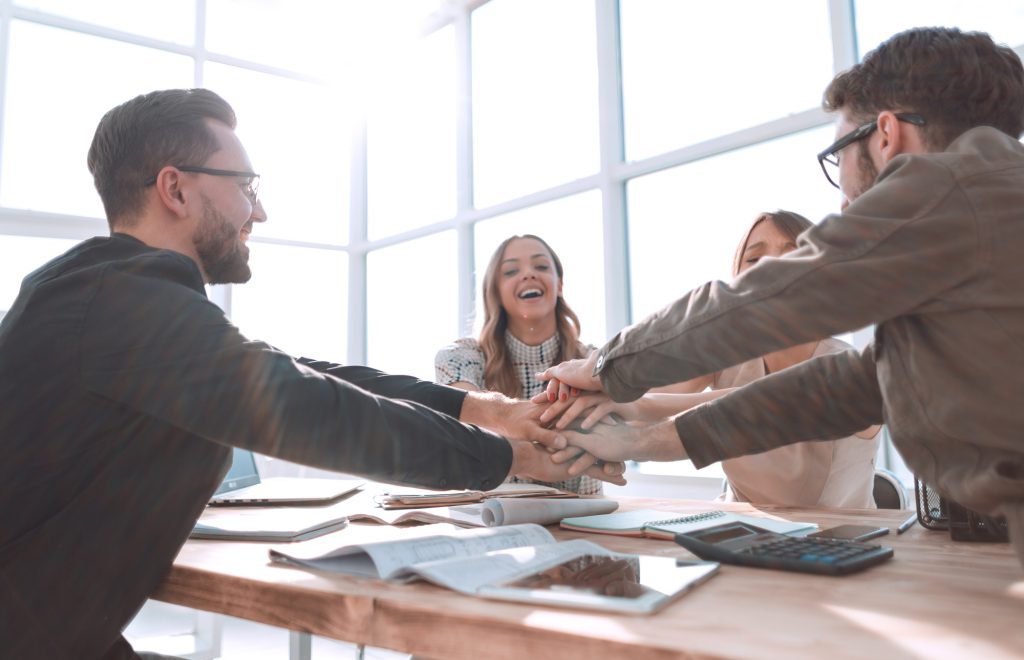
x=929, y=247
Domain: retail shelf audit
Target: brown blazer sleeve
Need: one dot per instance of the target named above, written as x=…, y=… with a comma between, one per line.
x=897, y=247
x=828, y=397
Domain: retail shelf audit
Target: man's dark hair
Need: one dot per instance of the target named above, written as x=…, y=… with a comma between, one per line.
x=955, y=80
x=135, y=140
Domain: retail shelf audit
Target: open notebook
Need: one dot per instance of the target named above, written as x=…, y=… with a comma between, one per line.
x=666, y=524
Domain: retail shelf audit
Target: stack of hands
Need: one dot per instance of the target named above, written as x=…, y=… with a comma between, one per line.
x=575, y=428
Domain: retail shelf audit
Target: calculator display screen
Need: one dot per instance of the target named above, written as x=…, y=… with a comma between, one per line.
x=729, y=533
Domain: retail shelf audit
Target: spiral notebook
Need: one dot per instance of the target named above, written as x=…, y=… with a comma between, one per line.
x=666, y=524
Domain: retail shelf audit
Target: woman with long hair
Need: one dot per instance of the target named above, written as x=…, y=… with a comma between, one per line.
x=837, y=473
x=528, y=326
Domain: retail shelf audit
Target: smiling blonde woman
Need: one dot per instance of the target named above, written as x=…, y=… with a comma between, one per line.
x=528, y=326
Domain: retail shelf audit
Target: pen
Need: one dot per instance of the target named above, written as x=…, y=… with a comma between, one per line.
x=905, y=525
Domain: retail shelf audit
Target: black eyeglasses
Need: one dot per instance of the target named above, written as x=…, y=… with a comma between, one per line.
x=831, y=155
x=252, y=180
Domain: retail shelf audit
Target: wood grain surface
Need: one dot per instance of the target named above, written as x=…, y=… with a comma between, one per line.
x=935, y=598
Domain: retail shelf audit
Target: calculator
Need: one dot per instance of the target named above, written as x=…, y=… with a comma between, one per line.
x=746, y=545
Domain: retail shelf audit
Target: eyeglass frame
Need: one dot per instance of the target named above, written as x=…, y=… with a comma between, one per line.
x=856, y=135
x=252, y=190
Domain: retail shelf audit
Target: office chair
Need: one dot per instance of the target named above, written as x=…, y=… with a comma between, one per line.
x=888, y=491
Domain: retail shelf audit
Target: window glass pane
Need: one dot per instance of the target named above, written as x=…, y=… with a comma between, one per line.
x=685, y=223
x=695, y=70
x=168, y=20
x=19, y=256
x=572, y=227
x=412, y=294
x=297, y=136
x=307, y=35
x=534, y=96
x=54, y=103
x=297, y=300
x=877, y=20
x=411, y=139
x=329, y=40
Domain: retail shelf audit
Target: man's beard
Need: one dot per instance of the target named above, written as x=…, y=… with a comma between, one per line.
x=224, y=257
x=866, y=171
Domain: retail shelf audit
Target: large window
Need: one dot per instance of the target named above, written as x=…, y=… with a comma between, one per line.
x=284, y=302
x=694, y=71
x=535, y=108
x=411, y=312
x=52, y=103
x=411, y=145
x=877, y=20
x=639, y=137
x=685, y=222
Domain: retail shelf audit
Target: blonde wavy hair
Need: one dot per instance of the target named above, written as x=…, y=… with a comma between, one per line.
x=499, y=373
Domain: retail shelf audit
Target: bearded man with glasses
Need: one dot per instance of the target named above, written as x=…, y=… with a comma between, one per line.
x=124, y=389
x=928, y=248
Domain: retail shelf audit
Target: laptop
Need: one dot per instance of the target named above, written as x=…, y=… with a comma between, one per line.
x=242, y=486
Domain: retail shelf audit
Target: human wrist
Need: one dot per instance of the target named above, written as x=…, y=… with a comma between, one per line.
x=660, y=442
x=485, y=409
x=522, y=458
x=645, y=409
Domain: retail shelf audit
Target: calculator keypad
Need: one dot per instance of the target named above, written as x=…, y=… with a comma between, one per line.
x=826, y=551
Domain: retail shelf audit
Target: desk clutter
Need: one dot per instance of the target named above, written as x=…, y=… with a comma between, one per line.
x=973, y=610
x=936, y=512
x=522, y=563
x=510, y=504
x=492, y=544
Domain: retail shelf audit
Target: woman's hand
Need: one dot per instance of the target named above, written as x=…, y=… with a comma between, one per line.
x=577, y=374
x=597, y=406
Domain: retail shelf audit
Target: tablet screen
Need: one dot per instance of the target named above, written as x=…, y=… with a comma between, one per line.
x=628, y=577
x=607, y=576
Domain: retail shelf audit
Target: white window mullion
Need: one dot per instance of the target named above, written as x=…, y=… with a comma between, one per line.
x=613, y=189
x=844, y=34
x=5, y=40
x=357, y=243
x=464, y=174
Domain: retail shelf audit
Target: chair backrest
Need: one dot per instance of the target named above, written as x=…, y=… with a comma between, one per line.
x=889, y=491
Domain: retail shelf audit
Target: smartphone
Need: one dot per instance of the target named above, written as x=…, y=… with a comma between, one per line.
x=851, y=532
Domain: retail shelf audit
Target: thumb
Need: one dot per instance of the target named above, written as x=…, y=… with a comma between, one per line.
x=549, y=438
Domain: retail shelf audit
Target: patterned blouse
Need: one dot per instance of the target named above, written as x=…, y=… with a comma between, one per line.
x=463, y=362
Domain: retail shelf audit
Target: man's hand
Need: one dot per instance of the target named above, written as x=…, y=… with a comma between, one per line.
x=622, y=442
x=577, y=374
x=533, y=461
x=516, y=420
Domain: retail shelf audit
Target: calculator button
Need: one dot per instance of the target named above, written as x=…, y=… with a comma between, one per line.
x=822, y=559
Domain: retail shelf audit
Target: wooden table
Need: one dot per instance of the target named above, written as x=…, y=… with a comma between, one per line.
x=936, y=598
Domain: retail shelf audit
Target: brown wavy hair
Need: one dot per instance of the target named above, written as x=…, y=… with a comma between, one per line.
x=789, y=223
x=955, y=80
x=138, y=138
x=499, y=374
